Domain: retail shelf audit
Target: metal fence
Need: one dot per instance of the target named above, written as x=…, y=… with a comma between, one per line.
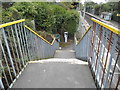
x=82, y=46
x=100, y=45
x=40, y=48
x=20, y=44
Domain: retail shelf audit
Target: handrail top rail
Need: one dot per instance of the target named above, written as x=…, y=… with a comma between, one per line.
x=107, y=26
x=118, y=15
x=11, y=23
x=40, y=35
x=22, y=20
x=78, y=41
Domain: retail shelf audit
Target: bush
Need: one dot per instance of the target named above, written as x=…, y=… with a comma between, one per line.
x=48, y=17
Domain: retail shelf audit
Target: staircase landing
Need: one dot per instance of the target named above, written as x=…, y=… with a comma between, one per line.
x=62, y=71
x=56, y=73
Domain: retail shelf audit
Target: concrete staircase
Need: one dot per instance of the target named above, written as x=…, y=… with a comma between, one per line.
x=62, y=71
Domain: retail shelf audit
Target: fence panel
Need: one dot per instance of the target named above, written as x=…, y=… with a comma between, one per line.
x=101, y=47
x=19, y=44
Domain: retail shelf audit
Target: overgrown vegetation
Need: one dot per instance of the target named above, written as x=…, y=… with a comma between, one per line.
x=49, y=17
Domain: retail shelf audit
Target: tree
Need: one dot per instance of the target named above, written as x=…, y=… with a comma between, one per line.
x=90, y=6
x=49, y=17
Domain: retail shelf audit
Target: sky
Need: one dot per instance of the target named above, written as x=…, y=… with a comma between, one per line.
x=97, y=1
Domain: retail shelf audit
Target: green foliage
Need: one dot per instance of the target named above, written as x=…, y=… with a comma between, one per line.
x=112, y=7
x=103, y=7
x=70, y=5
x=97, y=9
x=48, y=17
x=90, y=6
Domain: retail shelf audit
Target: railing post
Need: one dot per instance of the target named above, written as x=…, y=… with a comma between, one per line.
x=23, y=32
x=9, y=53
x=98, y=49
x=1, y=83
x=101, y=52
x=0, y=41
x=4, y=73
x=110, y=60
x=92, y=41
x=16, y=49
x=109, y=47
x=18, y=40
x=12, y=51
x=21, y=43
x=114, y=68
x=3, y=51
x=26, y=40
x=117, y=83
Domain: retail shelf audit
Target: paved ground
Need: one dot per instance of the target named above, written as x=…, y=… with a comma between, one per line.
x=63, y=71
x=66, y=52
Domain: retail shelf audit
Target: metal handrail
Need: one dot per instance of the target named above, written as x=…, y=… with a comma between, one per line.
x=11, y=23
x=78, y=41
x=100, y=47
x=40, y=35
x=19, y=45
x=109, y=27
x=22, y=20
